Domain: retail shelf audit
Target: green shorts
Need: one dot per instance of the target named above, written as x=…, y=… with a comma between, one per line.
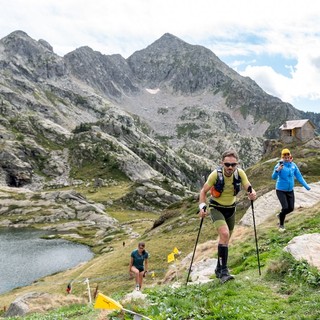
x=223, y=216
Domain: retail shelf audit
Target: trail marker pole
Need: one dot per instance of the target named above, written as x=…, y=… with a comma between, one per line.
x=88, y=287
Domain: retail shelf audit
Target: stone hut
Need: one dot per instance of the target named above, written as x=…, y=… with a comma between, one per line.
x=297, y=131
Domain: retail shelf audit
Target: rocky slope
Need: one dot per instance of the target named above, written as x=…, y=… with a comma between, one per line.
x=162, y=117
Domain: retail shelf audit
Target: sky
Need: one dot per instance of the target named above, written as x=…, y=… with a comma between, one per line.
x=274, y=42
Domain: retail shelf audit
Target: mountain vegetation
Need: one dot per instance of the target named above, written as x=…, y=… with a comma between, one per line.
x=152, y=116
x=107, y=151
x=283, y=287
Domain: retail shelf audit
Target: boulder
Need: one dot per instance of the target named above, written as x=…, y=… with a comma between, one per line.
x=268, y=205
x=306, y=247
x=20, y=306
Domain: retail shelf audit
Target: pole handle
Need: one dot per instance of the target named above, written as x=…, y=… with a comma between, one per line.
x=250, y=191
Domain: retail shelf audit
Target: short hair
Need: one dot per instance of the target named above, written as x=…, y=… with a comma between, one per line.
x=230, y=153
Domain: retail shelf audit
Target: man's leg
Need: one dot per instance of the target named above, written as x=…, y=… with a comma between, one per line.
x=224, y=227
x=223, y=249
x=221, y=226
x=223, y=257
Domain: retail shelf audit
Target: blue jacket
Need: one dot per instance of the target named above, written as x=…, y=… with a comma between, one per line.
x=285, y=177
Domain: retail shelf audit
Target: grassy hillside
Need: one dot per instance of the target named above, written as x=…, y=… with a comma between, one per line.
x=286, y=289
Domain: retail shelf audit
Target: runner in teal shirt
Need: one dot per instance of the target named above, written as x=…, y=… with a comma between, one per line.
x=139, y=264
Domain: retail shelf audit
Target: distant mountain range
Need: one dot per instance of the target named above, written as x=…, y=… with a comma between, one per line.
x=161, y=118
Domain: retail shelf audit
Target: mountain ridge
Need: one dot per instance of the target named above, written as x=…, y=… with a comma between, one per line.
x=154, y=145
x=168, y=105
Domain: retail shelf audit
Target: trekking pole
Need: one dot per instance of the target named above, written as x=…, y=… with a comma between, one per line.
x=195, y=246
x=255, y=231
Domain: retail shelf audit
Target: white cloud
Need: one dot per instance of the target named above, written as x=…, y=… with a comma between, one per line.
x=271, y=81
x=302, y=85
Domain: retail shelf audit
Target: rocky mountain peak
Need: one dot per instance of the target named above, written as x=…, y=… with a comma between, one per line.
x=110, y=74
x=168, y=42
x=30, y=58
x=150, y=116
x=178, y=66
x=18, y=43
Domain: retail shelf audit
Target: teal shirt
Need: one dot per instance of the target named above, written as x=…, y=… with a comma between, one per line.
x=138, y=259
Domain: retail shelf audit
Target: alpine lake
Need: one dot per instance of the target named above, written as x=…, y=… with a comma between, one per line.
x=25, y=256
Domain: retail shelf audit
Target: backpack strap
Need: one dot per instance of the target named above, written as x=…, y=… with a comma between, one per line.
x=219, y=185
x=236, y=182
x=217, y=188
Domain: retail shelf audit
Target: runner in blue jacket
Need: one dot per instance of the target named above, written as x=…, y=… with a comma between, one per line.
x=284, y=172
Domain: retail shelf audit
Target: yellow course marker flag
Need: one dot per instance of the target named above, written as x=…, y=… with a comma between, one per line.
x=170, y=257
x=175, y=250
x=104, y=302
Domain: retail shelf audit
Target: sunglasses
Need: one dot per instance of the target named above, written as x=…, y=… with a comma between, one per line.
x=140, y=247
x=227, y=164
x=286, y=154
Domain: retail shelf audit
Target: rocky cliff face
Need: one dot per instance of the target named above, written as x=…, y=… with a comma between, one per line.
x=162, y=117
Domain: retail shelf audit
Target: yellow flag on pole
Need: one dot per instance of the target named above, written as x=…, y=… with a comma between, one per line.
x=170, y=257
x=104, y=302
x=175, y=250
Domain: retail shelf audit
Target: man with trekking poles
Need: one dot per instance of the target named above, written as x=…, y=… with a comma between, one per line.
x=224, y=183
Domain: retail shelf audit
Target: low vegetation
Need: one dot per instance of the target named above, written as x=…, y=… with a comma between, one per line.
x=286, y=289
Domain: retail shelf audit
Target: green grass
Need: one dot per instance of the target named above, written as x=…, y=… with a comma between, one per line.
x=79, y=312
x=286, y=289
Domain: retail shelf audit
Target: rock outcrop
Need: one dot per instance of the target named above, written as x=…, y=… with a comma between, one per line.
x=268, y=205
x=66, y=212
x=306, y=247
x=38, y=302
x=184, y=102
